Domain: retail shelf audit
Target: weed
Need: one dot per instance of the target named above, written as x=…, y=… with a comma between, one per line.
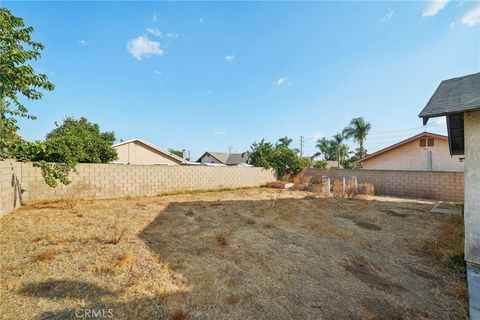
x=198, y=191
x=179, y=314
x=221, y=240
x=233, y=299
x=461, y=290
x=337, y=189
x=117, y=235
x=125, y=260
x=448, y=248
x=46, y=256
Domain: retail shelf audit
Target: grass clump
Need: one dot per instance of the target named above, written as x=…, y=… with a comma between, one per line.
x=448, y=248
x=125, y=259
x=179, y=314
x=199, y=191
x=46, y=256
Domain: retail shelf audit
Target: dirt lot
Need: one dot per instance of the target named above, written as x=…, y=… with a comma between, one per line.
x=246, y=254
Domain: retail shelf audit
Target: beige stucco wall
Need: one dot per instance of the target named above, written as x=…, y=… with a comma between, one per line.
x=472, y=186
x=411, y=156
x=139, y=153
x=100, y=181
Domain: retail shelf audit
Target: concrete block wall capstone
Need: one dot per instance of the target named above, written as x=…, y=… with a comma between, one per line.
x=101, y=181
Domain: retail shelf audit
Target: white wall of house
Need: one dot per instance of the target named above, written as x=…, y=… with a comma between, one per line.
x=139, y=153
x=472, y=209
x=411, y=156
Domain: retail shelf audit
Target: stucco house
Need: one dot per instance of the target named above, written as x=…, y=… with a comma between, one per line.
x=228, y=159
x=459, y=100
x=138, y=151
x=422, y=152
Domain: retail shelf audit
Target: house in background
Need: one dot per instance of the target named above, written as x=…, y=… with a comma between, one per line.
x=227, y=159
x=422, y=152
x=459, y=100
x=138, y=151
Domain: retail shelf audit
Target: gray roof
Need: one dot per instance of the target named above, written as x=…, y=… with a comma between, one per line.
x=227, y=158
x=454, y=96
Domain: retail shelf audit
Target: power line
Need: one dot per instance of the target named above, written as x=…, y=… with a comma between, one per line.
x=408, y=129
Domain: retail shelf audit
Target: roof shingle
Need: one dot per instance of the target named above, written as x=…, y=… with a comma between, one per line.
x=454, y=96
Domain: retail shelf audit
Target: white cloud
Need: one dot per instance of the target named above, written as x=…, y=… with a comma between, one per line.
x=83, y=43
x=143, y=47
x=154, y=17
x=388, y=15
x=472, y=17
x=154, y=31
x=219, y=133
x=315, y=136
x=452, y=25
x=172, y=35
x=280, y=81
x=229, y=57
x=158, y=73
x=433, y=7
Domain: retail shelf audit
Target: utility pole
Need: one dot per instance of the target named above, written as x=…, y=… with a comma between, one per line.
x=229, y=149
x=301, y=145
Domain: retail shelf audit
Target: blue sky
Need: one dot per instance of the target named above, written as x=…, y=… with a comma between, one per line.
x=210, y=75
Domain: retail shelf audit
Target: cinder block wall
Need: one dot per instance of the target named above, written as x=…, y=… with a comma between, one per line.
x=100, y=181
x=10, y=191
x=435, y=185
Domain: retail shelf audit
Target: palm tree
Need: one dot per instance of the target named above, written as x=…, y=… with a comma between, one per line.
x=324, y=146
x=358, y=130
x=341, y=149
x=285, y=141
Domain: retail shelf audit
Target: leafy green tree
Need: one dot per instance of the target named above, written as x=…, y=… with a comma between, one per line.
x=19, y=83
x=324, y=145
x=178, y=153
x=281, y=158
x=358, y=129
x=285, y=141
x=17, y=78
x=320, y=164
x=340, y=149
x=79, y=141
x=260, y=154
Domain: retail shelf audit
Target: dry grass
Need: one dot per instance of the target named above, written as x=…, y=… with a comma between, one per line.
x=337, y=189
x=222, y=240
x=125, y=259
x=46, y=256
x=233, y=299
x=448, y=247
x=117, y=234
x=244, y=254
x=179, y=314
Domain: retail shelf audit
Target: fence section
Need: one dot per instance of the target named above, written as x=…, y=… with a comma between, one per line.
x=100, y=181
x=435, y=185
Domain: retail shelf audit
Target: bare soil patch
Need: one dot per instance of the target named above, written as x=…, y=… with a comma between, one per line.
x=245, y=254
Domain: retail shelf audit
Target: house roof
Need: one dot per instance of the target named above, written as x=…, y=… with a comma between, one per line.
x=227, y=158
x=454, y=96
x=401, y=143
x=168, y=154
